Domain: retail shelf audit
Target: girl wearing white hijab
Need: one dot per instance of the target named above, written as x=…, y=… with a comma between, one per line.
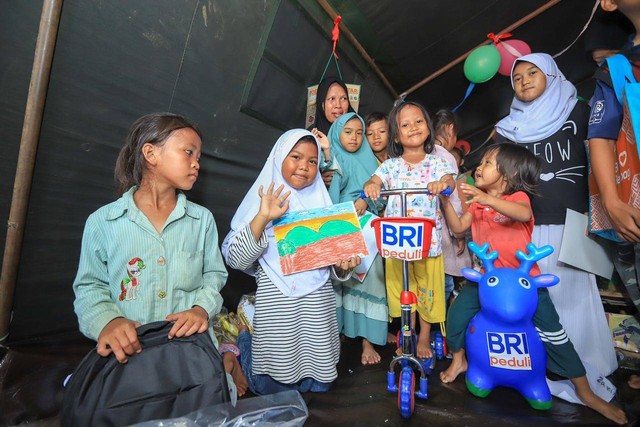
x=295, y=344
x=547, y=118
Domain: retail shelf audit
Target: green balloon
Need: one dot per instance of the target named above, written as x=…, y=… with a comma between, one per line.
x=482, y=64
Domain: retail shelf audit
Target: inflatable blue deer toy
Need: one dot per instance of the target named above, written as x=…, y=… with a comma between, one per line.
x=503, y=346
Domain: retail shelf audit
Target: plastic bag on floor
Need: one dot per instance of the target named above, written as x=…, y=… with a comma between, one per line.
x=284, y=409
x=246, y=310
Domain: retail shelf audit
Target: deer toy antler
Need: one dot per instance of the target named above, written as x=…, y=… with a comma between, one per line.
x=535, y=254
x=486, y=258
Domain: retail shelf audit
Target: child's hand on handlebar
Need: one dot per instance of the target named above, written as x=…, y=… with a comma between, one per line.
x=437, y=187
x=372, y=190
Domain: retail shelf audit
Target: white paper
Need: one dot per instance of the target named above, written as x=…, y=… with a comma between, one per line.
x=583, y=252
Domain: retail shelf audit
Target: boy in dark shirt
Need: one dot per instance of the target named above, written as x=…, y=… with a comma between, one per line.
x=604, y=126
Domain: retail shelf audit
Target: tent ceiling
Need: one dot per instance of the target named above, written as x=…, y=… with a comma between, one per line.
x=410, y=40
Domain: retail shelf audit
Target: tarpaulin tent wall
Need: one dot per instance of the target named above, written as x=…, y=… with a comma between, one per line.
x=115, y=61
x=240, y=70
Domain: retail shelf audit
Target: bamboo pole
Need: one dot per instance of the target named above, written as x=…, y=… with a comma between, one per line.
x=40, y=73
x=464, y=56
x=349, y=35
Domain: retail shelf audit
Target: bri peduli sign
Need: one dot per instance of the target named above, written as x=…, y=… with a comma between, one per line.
x=509, y=350
x=403, y=238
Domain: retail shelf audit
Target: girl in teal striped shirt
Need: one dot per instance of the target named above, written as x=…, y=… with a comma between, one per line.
x=150, y=255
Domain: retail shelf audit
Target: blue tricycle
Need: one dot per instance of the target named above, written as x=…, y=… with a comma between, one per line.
x=408, y=239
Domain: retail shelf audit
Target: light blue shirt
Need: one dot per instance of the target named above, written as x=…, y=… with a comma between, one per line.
x=128, y=269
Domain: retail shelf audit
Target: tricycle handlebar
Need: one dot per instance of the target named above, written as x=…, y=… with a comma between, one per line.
x=407, y=191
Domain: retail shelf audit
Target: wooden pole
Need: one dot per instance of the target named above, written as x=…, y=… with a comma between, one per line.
x=464, y=56
x=40, y=73
x=349, y=35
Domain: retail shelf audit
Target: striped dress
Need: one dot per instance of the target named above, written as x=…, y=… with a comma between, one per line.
x=294, y=338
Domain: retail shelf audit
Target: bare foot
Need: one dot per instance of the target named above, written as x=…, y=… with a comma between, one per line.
x=634, y=382
x=423, y=350
x=232, y=367
x=391, y=338
x=458, y=366
x=369, y=354
x=608, y=410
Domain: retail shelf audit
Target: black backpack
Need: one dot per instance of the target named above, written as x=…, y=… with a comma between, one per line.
x=168, y=379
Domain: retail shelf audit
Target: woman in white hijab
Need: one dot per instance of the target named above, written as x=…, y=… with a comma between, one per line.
x=295, y=343
x=547, y=118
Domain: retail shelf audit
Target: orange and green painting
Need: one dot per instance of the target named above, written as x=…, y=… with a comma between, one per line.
x=319, y=237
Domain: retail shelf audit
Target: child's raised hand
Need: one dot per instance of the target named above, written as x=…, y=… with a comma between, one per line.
x=372, y=190
x=322, y=139
x=273, y=204
x=476, y=194
x=120, y=338
x=188, y=322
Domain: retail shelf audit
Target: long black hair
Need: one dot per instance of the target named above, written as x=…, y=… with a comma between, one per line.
x=443, y=118
x=394, y=148
x=519, y=167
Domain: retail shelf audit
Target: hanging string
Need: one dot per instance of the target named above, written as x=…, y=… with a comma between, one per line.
x=593, y=12
x=327, y=67
x=335, y=35
x=466, y=95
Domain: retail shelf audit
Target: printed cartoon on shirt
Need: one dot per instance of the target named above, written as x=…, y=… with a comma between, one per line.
x=556, y=153
x=129, y=285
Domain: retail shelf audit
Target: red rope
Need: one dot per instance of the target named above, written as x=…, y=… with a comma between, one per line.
x=335, y=34
x=498, y=37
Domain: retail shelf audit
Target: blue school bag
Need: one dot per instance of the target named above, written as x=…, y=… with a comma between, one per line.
x=627, y=168
x=168, y=379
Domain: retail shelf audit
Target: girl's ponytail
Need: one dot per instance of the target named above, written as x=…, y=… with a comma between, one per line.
x=123, y=173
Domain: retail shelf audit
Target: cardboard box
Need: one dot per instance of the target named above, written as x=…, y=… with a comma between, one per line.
x=625, y=331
